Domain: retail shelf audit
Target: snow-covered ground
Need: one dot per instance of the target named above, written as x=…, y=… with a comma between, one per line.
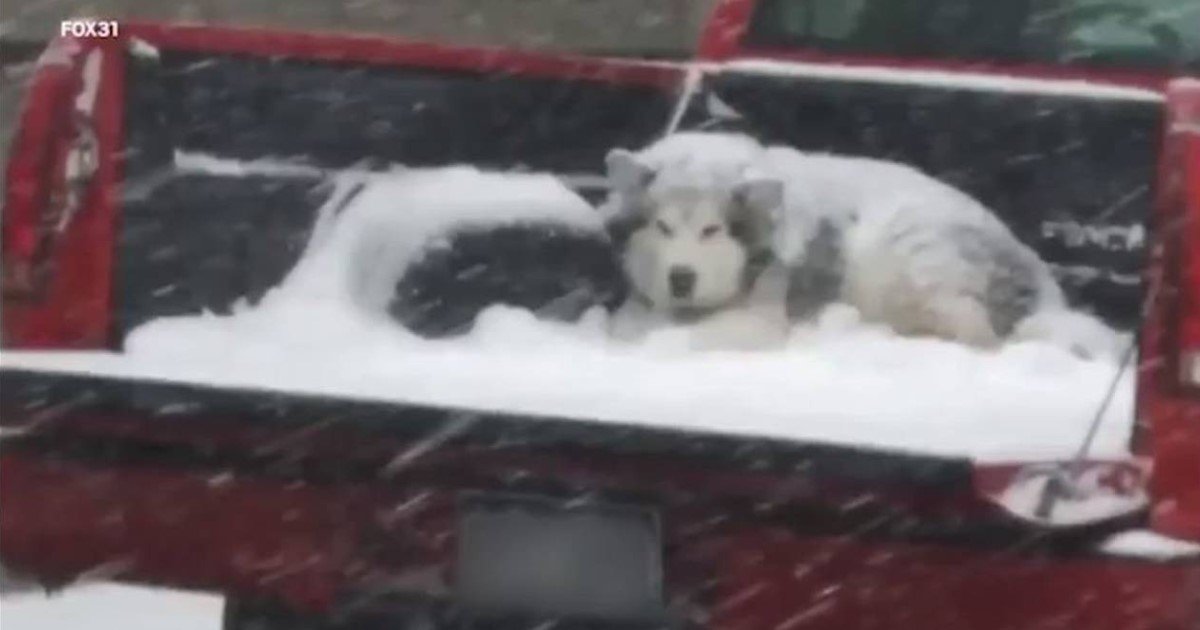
x=838, y=380
x=110, y=607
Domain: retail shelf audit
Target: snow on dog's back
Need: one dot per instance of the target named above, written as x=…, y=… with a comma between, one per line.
x=702, y=156
x=818, y=185
x=841, y=187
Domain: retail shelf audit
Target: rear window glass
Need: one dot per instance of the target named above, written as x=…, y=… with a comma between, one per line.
x=1134, y=34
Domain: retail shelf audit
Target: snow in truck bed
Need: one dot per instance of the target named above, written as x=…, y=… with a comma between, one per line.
x=839, y=380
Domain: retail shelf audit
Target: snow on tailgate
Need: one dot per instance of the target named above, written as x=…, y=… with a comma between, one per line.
x=839, y=380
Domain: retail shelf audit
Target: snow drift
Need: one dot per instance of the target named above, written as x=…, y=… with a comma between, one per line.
x=324, y=330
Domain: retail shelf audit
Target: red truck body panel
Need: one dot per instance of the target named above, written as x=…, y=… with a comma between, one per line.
x=72, y=305
x=313, y=546
x=1168, y=406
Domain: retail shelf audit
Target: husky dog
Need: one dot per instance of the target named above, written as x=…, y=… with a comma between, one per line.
x=743, y=238
x=700, y=254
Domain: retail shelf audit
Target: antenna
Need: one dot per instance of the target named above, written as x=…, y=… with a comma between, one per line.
x=1059, y=486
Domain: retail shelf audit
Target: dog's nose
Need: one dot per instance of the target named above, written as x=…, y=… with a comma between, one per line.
x=682, y=281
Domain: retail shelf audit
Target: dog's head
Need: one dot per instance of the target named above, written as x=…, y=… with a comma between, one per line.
x=694, y=246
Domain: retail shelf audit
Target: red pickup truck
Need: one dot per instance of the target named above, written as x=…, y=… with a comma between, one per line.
x=181, y=169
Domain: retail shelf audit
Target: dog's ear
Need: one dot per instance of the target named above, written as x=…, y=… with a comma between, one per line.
x=626, y=173
x=622, y=226
x=760, y=195
x=755, y=210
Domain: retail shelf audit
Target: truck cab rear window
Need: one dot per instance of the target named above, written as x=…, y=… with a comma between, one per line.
x=1130, y=34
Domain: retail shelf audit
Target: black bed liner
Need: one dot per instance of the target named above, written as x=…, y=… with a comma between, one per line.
x=1071, y=176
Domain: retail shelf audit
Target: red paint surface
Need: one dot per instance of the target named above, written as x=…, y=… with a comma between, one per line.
x=771, y=579
x=333, y=446
x=172, y=530
x=37, y=146
x=727, y=24
x=357, y=49
x=74, y=308
x=1184, y=107
x=313, y=544
x=1171, y=408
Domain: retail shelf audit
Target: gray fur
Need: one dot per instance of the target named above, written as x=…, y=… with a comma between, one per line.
x=1011, y=291
x=816, y=281
x=627, y=176
x=751, y=214
x=622, y=226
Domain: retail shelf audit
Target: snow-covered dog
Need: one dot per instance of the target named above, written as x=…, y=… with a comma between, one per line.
x=702, y=255
x=743, y=238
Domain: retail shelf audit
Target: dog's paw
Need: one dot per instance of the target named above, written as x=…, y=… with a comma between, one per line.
x=1082, y=335
x=630, y=323
x=624, y=332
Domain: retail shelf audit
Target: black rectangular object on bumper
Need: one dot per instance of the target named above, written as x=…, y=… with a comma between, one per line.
x=535, y=556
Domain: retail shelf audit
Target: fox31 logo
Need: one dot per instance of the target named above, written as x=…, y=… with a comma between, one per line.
x=88, y=29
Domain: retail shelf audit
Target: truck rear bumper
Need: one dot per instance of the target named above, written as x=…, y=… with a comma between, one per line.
x=319, y=545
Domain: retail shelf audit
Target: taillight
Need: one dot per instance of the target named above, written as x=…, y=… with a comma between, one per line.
x=1189, y=306
x=52, y=159
x=1183, y=213
x=1170, y=380
x=1190, y=281
x=61, y=199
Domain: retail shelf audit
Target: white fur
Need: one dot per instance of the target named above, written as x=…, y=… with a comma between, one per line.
x=695, y=239
x=923, y=285
x=758, y=322
x=1078, y=333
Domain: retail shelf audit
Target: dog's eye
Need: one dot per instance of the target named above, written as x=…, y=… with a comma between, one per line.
x=663, y=227
x=709, y=231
